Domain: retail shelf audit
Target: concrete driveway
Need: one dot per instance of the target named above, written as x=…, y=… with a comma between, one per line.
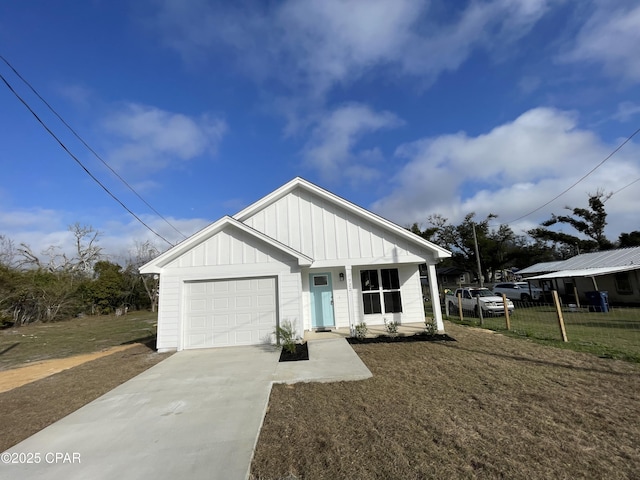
x=196, y=415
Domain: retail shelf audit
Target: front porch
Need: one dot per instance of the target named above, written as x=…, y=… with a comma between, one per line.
x=374, y=331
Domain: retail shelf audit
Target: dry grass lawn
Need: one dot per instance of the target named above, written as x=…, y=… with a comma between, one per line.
x=32, y=407
x=486, y=406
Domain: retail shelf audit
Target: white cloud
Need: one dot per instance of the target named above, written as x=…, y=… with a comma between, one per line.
x=610, y=37
x=509, y=171
x=41, y=229
x=317, y=45
x=332, y=147
x=149, y=139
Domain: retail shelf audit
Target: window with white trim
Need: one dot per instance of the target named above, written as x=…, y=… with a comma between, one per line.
x=381, y=291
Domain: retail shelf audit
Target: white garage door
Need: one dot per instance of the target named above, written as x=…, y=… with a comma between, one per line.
x=229, y=312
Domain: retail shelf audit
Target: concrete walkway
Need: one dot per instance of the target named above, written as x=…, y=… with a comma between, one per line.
x=196, y=415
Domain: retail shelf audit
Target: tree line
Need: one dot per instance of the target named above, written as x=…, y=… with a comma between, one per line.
x=501, y=249
x=54, y=284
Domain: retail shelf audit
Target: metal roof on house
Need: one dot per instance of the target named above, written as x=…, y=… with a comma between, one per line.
x=622, y=259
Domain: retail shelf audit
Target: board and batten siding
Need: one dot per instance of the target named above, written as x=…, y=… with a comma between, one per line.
x=226, y=255
x=323, y=231
x=228, y=248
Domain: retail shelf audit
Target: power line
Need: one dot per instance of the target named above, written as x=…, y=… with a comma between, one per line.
x=88, y=147
x=64, y=147
x=628, y=139
x=620, y=189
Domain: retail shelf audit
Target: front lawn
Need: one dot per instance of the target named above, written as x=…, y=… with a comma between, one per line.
x=486, y=406
x=42, y=341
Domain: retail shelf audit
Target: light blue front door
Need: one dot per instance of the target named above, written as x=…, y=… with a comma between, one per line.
x=321, y=300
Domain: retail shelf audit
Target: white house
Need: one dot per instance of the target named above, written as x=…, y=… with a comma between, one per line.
x=301, y=255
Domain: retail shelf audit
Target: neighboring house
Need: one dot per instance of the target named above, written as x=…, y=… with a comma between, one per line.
x=447, y=277
x=454, y=276
x=615, y=271
x=300, y=255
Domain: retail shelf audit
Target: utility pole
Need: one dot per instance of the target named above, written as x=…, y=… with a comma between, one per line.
x=475, y=244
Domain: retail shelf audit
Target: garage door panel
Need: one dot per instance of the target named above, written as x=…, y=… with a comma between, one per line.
x=220, y=303
x=229, y=312
x=244, y=302
x=197, y=322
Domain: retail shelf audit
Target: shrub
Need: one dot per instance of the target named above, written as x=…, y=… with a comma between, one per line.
x=286, y=336
x=430, y=326
x=392, y=327
x=361, y=330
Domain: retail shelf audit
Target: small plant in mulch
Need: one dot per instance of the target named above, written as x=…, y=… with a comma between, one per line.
x=361, y=330
x=292, y=350
x=392, y=328
x=430, y=327
x=429, y=334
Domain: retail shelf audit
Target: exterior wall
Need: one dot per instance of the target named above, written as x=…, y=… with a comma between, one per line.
x=608, y=283
x=410, y=292
x=330, y=235
x=604, y=283
x=340, y=300
x=168, y=313
x=220, y=257
x=231, y=246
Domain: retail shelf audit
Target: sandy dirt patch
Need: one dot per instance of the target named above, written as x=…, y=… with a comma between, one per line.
x=17, y=377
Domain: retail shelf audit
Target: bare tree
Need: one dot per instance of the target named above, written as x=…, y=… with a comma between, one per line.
x=8, y=251
x=85, y=255
x=87, y=250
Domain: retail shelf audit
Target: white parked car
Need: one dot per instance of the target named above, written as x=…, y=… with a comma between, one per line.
x=522, y=291
x=489, y=302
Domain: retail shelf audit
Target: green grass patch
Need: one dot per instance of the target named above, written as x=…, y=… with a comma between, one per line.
x=615, y=334
x=42, y=341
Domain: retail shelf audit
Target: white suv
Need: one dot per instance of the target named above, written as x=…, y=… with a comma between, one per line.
x=522, y=291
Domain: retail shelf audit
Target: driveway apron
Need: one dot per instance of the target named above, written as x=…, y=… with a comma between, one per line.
x=193, y=416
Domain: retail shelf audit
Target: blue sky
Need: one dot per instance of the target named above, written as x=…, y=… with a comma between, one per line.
x=408, y=108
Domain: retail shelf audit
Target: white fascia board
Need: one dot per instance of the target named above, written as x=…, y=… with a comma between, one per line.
x=438, y=252
x=156, y=265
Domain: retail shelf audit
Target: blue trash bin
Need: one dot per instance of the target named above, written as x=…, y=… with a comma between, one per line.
x=598, y=301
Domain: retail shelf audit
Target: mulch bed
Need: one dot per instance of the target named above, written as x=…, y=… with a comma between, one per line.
x=417, y=337
x=301, y=353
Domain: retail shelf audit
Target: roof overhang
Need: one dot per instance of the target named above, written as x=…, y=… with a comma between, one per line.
x=585, y=272
x=156, y=265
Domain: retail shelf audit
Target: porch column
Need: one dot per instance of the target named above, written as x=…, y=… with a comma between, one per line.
x=350, y=303
x=435, y=296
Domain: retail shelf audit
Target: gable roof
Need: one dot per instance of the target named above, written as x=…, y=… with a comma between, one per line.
x=354, y=209
x=163, y=259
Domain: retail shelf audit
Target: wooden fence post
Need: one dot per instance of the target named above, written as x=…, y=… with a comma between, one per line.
x=506, y=312
x=479, y=307
x=460, y=306
x=556, y=300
